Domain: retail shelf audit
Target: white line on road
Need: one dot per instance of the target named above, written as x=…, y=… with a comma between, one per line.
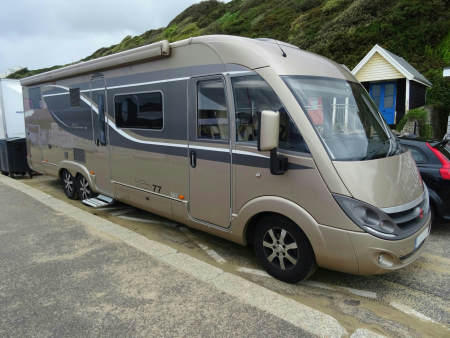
x=137, y=219
x=365, y=333
x=121, y=212
x=410, y=311
x=212, y=253
x=256, y=272
x=318, y=285
x=362, y=293
x=150, y=221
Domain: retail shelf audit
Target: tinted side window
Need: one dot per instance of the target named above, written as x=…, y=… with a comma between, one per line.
x=35, y=98
x=253, y=95
x=212, y=114
x=140, y=111
x=418, y=155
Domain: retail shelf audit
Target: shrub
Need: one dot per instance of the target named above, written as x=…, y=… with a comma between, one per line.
x=421, y=115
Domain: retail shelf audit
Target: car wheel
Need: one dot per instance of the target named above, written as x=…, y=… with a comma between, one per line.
x=69, y=185
x=84, y=190
x=283, y=249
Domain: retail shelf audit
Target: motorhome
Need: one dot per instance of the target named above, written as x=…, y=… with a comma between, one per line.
x=252, y=140
x=12, y=129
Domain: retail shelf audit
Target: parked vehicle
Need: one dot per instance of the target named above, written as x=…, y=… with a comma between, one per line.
x=433, y=161
x=252, y=140
x=12, y=129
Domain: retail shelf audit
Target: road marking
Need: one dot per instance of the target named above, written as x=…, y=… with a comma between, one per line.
x=365, y=333
x=296, y=313
x=150, y=221
x=318, y=285
x=256, y=272
x=362, y=293
x=410, y=311
x=212, y=253
x=121, y=212
x=142, y=220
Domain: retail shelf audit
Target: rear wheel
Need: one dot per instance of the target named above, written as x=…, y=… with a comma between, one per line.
x=84, y=190
x=69, y=185
x=283, y=249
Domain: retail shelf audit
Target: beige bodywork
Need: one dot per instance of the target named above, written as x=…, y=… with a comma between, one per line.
x=225, y=199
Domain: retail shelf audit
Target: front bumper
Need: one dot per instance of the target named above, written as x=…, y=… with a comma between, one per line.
x=359, y=252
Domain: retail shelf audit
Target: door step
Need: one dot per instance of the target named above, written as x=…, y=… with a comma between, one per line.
x=99, y=201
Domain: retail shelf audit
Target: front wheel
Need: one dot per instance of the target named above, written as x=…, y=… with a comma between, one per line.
x=84, y=190
x=69, y=185
x=283, y=249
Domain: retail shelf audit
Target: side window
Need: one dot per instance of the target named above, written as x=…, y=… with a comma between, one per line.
x=139, y=111
x=212, y=114
x=253, y=95
x=417, y=154
x=74, y=97
x=35, y=98
x=101, y=119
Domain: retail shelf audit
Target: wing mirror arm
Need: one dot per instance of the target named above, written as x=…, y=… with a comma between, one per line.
x=268, y=136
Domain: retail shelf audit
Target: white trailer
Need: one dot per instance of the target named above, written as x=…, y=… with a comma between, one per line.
x=12, y=128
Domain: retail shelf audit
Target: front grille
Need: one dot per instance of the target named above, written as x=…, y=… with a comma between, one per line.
x=412, y=218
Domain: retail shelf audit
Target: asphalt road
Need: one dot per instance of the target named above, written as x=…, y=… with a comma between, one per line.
x=412, y=302
x=60, y=280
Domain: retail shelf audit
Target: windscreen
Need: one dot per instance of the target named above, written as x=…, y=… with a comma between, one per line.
x=345, y=118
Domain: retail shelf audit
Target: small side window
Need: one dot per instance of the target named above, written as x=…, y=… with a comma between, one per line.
x=139, y=111
x=101, y=119
x=35, y=98
x=212, y=114
x=74, y=97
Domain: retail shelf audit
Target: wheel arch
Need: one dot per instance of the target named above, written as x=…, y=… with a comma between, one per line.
x=252, y=211
x=76, y=169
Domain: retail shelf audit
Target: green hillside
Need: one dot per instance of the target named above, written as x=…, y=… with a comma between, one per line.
x=343, y=30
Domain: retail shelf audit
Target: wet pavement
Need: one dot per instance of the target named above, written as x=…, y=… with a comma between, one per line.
x=412, y=302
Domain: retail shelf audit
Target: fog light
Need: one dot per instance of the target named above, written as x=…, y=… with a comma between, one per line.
x=385, y=260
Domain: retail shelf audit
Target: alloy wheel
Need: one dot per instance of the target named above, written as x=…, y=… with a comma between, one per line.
x=280, y=248
x=68, y=182
x=85, y=190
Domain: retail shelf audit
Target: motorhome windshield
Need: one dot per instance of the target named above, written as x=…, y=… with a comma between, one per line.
x=345, y=118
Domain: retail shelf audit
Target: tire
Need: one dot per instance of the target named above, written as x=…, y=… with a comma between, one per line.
x=84, y=190
x=69, y=185
x=283, y=249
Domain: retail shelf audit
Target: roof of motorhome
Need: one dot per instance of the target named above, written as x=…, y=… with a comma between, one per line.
x=285, y=58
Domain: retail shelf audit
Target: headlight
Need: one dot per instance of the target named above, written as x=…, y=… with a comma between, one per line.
x=368, y=217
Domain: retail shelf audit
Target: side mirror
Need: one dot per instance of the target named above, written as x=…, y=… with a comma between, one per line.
x=269, y=130
x=268, y=136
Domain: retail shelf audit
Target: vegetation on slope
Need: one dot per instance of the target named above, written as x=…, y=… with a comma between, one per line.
x=343, y=30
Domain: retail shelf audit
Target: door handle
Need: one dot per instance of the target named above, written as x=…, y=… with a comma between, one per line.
x=193, y=158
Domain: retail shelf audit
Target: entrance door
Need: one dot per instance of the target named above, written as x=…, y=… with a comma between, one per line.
x=99, y=163
x=209, y=151
x=384, y=94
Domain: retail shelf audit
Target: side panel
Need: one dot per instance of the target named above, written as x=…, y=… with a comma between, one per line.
x=149, y=166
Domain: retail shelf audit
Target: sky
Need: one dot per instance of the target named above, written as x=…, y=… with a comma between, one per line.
x=43, y=33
